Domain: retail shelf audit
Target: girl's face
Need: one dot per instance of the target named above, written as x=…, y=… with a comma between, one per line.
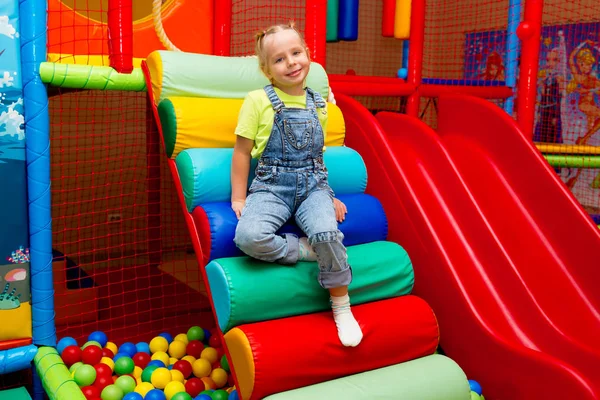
x=287, y=61
x=584, y=66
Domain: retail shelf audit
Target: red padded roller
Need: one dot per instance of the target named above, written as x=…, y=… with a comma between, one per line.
x=289, y=353
x=388, y=19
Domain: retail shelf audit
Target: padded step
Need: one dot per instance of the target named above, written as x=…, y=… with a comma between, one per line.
x=246, y=290
x=205, y=174
x=15, y=394
x=365, y=222
x=288, y=353
x=433, y=377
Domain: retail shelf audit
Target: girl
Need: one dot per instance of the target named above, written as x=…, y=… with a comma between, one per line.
x=283, y=126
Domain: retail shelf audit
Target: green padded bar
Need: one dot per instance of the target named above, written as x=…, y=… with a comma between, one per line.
x=77, y=76
x=433, y=377
x=56, y=378
x=200, y=75
x=205, y=174
x=246, y=290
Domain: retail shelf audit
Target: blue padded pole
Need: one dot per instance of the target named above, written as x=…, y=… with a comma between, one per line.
x=512, y=51
x=37, y=127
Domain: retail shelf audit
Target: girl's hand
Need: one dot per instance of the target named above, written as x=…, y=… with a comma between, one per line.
x=238, y=206
x=340, y=210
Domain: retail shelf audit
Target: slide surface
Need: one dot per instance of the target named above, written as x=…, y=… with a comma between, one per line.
x=501, y=250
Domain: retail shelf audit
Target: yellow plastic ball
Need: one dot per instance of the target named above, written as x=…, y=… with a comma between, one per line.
x=177, y=376
x=109, y=362
x=219, y=376
x=210, y=354
x=177, y=349
x=201, y=368
x=159, y=343
x=161, y=356
x=112, y=347
x=138, y=381
x=189, y=359
x=137, y=372
x=182, y=337
x=173, y=388
x=160, y=378
x=143, y=388
x=172, y=360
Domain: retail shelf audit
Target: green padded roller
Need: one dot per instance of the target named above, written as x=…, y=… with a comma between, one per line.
x=433, y=377
x=248, y=290
x=77, y=76
x=56, y=378
x=332, y=20
x=573, y=160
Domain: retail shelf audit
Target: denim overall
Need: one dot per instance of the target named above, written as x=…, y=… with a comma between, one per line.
x=291, y=180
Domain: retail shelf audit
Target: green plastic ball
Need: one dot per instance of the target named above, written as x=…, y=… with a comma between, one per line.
x=195, y=333
x=91, y=343
x=225, y=363
x=181, y=396
x=85, y=375
x=475, y=396
x=74, y=367
x=220, y=395
x=126, y=383
x=147, y=373
x=124, y=366
x=112, y=392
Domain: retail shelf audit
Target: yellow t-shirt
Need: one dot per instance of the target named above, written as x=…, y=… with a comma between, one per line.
x=255, y=120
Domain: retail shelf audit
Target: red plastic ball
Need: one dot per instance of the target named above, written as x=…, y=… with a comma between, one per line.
x=103, y=370
x=194, y=348
x=184, y=367
x=230, y=380
x=216, y=364
x=141, y=359
x=194, y=386
x=91, y=355
x=524, y=30
x=350, y=72
x=106, y=352
x=103, y=381
x=215, y=341
x=90, y=392
x=71, y=355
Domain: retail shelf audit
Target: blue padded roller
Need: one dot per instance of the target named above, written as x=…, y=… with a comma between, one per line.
x=348, y=20
x=365, y=222
x=205, y=174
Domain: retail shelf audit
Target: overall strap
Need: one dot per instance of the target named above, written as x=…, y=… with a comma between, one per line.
x=276, y=102
x=314, y=97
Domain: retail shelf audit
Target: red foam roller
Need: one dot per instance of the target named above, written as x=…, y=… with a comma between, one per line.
x=388, y=18
x=120, y=35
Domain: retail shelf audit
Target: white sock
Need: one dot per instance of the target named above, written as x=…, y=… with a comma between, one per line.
x=305, y=250
x=348, y=329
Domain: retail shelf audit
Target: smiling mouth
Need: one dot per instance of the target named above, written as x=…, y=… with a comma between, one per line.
x=294, y=73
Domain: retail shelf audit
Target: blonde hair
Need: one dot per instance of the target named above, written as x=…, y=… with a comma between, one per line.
x=260, y=36
x=586, y=56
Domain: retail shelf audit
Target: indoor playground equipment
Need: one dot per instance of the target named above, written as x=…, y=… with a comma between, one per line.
x=478, y=241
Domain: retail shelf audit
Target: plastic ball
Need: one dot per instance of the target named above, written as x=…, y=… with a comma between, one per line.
x=173, y=360
x=100, y=337
x=402, y=73
x=350, y=72
x=201, y=368
x=119, y=355
x=128, y=348
x=475, y=396
x=90, y=392
x=155, y=394
x=156, y=363
x=112, y=392
x=109, y=362
x=181, y=396
x=207, y=335
x=219, y=377
x=137, y=372
x=162, y=356
x=194, y=386
x=91, y=355
x=142, y=347
x=126, y=383
x=208, y=382
x=220, y=395
x=225, y=363
x=177, y=348
x=159, y=343
x=170, y=367
x=91, y=343
x=524, y=30
x=143, y=388
x=234, y=395
x=194, y=348
x=147, y=372
x=475, y=386
x=160, y=377
x=133, y=396
x=182, y=337
x=64, y=343
x=173, y=388
x=124, y=366
x=71, y=355
x=167, y=336
x=106, y=352
x=204, y=396
x=177, y=376
x=112, y=347
x=85, y=375
x=141, y=359
x=215, y=341
x=74, y=367
x=184, y=367
x=103, y=370
x=189, y=359
x=210, y=354
x=195, y=333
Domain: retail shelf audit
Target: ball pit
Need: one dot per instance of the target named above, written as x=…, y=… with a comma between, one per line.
x=187, y=366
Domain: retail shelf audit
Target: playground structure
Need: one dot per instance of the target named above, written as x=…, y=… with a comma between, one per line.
x=121, y=256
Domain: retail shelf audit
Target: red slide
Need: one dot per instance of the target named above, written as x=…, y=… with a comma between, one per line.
x=502, y=251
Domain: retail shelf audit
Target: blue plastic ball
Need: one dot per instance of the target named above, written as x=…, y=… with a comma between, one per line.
x=119, y=355
x=158, y=363
x=142, y=347
x=133, y=396
x=65, y=342
x=203, y=397
x=155, y=394
x=475, y=386
x=170, y=367
x=402, y=73
x=207, y=335
x=128, y=348
x=99, y=336
x=233, y=395
x=166, y=336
